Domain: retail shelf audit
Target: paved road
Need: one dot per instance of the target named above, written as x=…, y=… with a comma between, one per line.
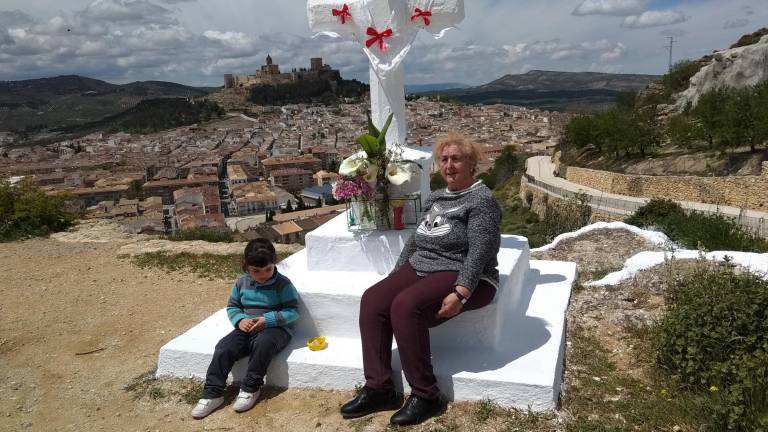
x=541, y=169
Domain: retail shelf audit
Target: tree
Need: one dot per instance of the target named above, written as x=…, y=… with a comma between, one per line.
x=683, y=130
x=25, y=210
x=709, y=111
x=288, y=207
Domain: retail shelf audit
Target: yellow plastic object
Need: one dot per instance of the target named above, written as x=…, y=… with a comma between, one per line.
x=317, y=343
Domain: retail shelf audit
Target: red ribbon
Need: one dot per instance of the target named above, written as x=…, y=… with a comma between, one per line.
x=421, y=14
x=378, y=37
x=343, y=13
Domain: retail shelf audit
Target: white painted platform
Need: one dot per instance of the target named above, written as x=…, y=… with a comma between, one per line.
x=330, y=299
x=522, y=369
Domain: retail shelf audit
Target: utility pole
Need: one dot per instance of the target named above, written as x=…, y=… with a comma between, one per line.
x=671, y=44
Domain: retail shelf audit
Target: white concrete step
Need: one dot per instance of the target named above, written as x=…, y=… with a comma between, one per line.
x=331, y=299
x=525, y=372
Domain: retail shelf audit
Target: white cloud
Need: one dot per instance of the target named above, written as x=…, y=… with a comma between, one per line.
x=128, y=11
x=15, y=18
x=613, y=54
x=611, y=7
x=654, y=19
x=5, y=38
x=735, y=23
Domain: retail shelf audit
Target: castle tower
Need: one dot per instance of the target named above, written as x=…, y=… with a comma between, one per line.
x=316, y=64
x=269, y=60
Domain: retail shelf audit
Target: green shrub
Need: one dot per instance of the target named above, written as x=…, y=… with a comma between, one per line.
x=26, y=211
x=679, y=75
x=714, y=336
x=204, y=234
x=562, y=216
x=655, y=211
x=750, y=39
x=695, y=230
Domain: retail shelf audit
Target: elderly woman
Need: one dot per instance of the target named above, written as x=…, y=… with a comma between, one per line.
x=447, y=267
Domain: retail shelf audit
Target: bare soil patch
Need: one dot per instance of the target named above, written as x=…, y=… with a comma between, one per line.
x=598, y=252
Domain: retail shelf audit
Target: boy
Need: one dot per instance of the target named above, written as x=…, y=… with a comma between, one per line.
x=262, y=306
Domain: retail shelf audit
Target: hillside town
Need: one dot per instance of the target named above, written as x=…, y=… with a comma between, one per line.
x=249, y=172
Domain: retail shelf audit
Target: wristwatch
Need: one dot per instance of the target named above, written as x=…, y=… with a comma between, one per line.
x=462, y=299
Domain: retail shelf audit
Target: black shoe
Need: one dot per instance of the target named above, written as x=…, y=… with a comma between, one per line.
x=370, y=400
x=417, y=410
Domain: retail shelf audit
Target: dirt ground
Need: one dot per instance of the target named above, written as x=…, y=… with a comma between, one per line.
x=78, y=324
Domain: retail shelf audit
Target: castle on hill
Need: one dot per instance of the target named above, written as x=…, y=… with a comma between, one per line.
x=270, y=74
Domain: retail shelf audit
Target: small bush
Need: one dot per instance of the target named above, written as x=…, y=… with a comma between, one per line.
x=26, y=211
x=566, y=216
x=750, y=39
x=714, y=336
x=696, y=230
x=655, y=211
x=679, y=75
x=204, y=234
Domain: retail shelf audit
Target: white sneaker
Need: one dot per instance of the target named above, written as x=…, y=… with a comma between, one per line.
x=206, y=406
x=245, y=401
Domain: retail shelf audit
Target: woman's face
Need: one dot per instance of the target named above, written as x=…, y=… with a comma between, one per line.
x=455, y=168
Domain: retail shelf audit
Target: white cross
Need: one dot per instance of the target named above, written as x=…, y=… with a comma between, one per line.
x=391, y=25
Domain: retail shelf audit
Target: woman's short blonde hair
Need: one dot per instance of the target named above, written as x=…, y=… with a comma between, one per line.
x=470, y=149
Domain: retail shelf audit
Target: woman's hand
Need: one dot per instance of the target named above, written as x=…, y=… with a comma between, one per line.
x=451, y=304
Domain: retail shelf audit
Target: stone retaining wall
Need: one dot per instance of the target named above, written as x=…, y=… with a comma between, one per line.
x=738, y=191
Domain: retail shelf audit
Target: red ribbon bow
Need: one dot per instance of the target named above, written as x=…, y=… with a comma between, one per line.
x=343, y=13
x=378, y=37
x=421, y=14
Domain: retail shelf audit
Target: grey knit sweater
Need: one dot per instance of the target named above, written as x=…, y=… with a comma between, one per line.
x=460, y=231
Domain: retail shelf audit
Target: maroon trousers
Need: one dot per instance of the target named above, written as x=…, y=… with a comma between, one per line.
x=406, y=304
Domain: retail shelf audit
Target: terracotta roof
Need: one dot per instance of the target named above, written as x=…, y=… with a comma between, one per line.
x=287, y=228
x=303, y=214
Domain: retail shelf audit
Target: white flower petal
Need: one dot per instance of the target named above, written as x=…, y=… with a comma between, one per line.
x=398, y=173
x=371, y=175
x=351, y=165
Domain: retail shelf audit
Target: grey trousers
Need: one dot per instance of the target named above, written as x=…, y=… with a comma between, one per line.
x=261, y=347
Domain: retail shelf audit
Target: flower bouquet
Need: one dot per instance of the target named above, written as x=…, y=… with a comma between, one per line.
x=365, y=177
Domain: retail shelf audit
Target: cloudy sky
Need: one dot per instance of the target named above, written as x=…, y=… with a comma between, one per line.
x=197, y=41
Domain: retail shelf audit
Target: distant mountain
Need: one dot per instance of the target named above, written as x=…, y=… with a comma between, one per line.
x=421, y=88
x=51, y=103
x=552, y=90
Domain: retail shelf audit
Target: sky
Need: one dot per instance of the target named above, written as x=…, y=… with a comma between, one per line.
x=196, y=42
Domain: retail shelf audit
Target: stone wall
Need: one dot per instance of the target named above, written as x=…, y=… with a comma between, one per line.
x=537, y=201
x=738, y=191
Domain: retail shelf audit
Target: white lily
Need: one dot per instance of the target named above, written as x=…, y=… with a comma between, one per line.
x=398, y=173
x=372, y=174
x=350, y=166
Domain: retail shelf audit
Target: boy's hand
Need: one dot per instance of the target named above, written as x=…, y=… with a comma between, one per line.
x=259, y=324
x=245, y=325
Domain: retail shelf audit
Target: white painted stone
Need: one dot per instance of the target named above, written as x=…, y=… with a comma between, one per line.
x=756, y=262
x=525, y=372
x=331, y=299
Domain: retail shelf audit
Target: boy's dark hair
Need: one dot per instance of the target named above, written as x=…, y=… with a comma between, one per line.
x=259, y=252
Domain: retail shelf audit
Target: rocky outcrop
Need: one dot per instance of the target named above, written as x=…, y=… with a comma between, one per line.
x=734, y=67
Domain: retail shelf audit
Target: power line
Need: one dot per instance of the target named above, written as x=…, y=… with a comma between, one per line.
x=669, y=47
